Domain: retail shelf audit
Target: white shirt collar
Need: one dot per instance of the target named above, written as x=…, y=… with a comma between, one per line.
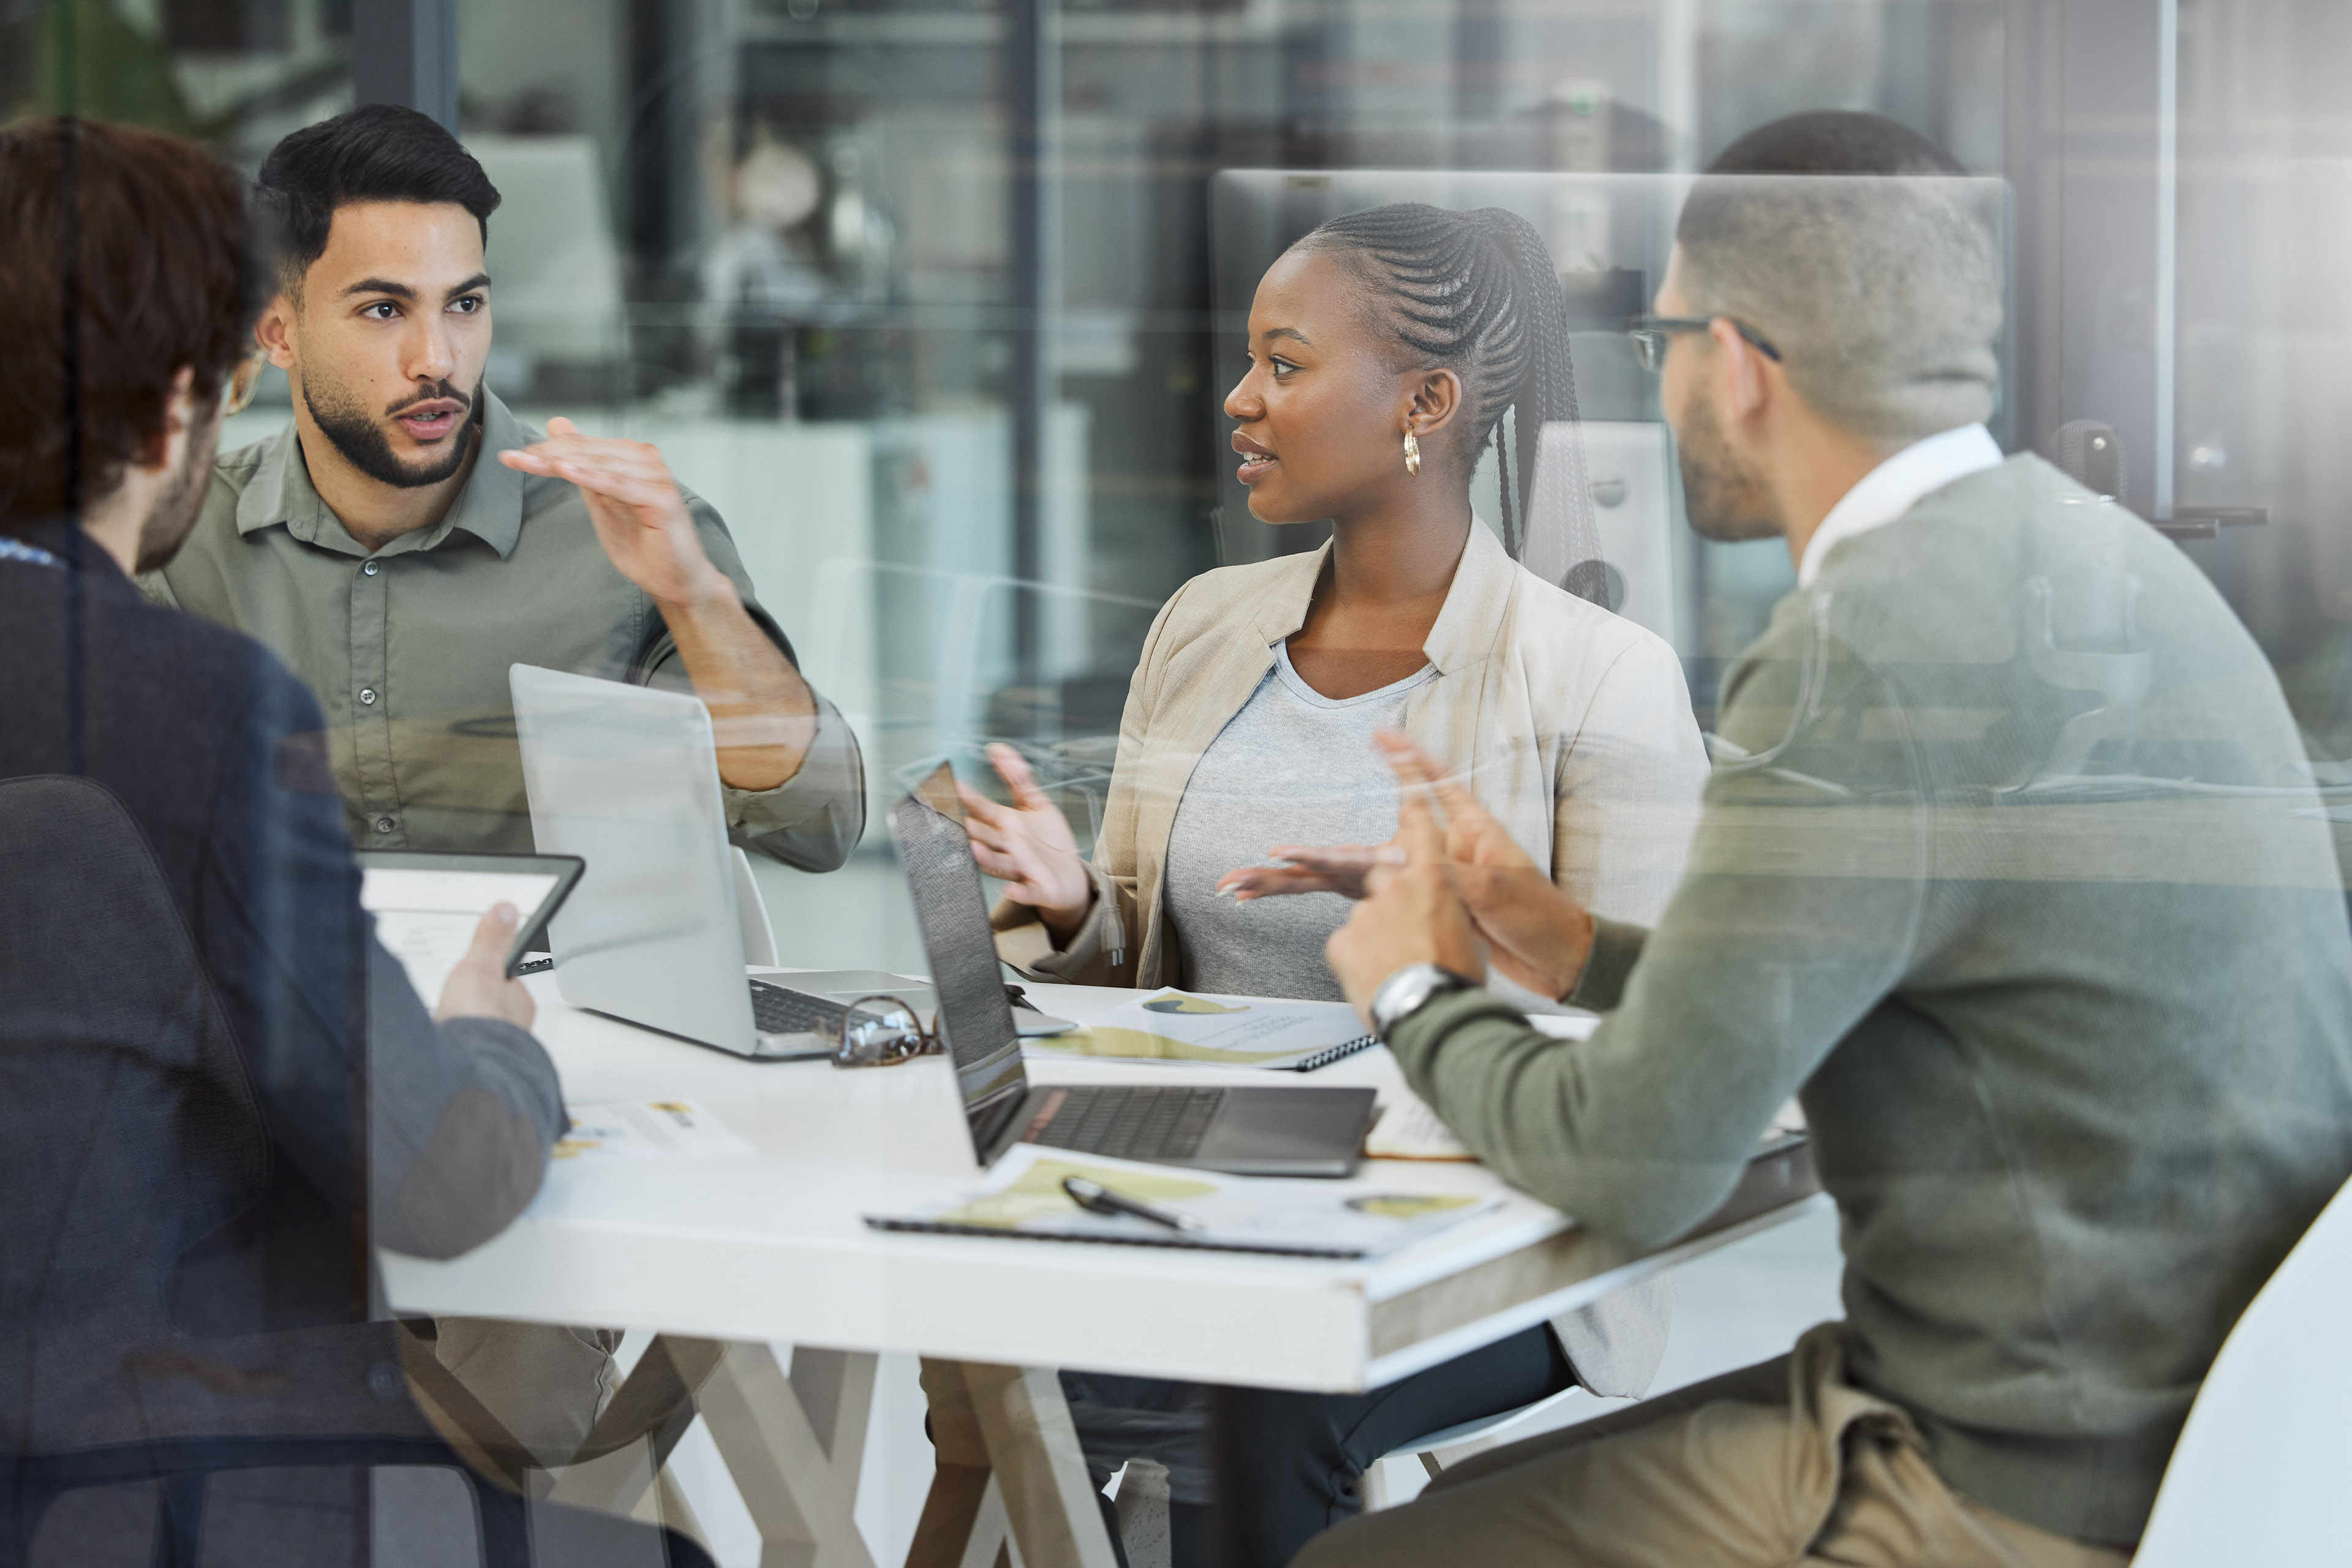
x=1893, y=488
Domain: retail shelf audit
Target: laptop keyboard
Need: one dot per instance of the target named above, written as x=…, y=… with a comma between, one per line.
x=776, y=1010
x=1133, y=1122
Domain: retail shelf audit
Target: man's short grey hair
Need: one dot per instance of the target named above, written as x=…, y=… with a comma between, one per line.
x=1883, y=295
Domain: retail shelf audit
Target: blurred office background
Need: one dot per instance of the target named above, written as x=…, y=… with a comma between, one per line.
x=923, y=295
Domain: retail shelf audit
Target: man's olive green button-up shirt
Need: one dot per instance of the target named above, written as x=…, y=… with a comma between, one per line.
x=408, y=647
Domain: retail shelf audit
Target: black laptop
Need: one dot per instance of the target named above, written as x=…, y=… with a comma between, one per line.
x=1277, y=1130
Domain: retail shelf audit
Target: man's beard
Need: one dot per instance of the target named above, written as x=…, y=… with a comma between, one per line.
x=1723, y=500
x=167, y=527
x=359, y=438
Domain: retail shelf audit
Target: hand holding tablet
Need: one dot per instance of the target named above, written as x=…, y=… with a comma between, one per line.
x=427, y=907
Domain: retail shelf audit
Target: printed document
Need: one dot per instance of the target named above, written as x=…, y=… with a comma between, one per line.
x=636, y=1129
x=1208, y=1030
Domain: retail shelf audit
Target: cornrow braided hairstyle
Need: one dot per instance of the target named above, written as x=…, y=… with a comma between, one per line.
x=1475, y=293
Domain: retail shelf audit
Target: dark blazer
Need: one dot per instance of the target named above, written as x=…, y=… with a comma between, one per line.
x=212, y=749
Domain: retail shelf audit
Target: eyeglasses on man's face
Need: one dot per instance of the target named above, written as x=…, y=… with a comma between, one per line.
x=1651, y=333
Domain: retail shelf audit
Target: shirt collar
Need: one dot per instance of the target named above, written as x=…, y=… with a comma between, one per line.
x=1893, y=488
x=490, y=507
x=1472, y=617
x=1467, y=623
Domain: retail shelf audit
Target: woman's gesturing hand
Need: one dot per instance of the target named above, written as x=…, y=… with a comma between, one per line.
x=1471, y=839
x=1028, y=846
x=1306, y=868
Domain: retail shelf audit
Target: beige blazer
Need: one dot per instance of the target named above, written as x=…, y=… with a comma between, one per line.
x=1573, y=727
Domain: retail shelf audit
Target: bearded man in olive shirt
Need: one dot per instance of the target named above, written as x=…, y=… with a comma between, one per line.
x=405, y=539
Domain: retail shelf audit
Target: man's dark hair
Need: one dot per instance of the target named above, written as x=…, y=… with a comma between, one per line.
x=1834, y=142
x=377, y=153
x=123, y=260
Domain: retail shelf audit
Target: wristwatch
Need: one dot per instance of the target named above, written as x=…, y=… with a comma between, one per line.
x=1409, y=990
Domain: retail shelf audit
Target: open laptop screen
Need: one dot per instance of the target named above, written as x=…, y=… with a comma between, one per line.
x=952, y=913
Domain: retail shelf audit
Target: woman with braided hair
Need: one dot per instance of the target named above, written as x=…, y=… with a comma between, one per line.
x=1385, y=350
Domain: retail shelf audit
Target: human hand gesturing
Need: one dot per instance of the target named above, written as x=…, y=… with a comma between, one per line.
x=1027, y=845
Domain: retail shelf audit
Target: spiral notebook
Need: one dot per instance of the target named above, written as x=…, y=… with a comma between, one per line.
x=1023, y=1197
x=1204, y=1029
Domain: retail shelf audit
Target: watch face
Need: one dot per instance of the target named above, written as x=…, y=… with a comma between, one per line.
x=1404, y=992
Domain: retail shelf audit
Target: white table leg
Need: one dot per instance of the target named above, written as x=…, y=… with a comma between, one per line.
x=992, y=1544
x=795, y=1446
x=644, y=1422
x=1005, y=1431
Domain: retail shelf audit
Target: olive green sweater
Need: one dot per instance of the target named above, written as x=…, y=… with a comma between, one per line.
x=2014, y=878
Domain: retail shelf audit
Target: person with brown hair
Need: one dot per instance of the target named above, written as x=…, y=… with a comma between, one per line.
x=289, y=1068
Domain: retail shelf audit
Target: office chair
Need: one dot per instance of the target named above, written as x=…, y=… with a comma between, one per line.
x=2259, y=1473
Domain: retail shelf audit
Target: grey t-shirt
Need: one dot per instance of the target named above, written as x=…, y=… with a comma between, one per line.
x=1293, y=766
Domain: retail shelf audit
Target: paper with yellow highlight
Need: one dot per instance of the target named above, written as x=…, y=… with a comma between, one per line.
x=1023, y=1197
x=1205, y=1030
x=1181, y=1002
x=1036, y=1192
x=601, y=1129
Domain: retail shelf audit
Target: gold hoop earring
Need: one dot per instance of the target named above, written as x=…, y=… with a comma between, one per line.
x=1412, y=454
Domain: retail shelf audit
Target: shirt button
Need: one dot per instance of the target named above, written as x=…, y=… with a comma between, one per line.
x=383, y=824
x=367, y=696
x=371, y=569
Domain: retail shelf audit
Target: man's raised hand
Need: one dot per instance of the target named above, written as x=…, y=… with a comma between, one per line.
x=637, y=510
x=1537, y=935
x=1411, y=913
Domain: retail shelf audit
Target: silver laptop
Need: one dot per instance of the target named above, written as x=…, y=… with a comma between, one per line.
x=1276, y=1130
x=664, y=918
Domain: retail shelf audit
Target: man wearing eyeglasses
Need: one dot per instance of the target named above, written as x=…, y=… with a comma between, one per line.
x=405, y=538
x=2008, y=871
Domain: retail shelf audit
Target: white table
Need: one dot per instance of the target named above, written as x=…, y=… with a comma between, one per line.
x=723, y=1255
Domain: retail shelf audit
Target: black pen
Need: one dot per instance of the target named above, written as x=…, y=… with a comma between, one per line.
x=1097, y=1198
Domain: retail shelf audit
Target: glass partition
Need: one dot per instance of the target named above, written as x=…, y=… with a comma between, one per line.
x=933, y=301
x=937, y=305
